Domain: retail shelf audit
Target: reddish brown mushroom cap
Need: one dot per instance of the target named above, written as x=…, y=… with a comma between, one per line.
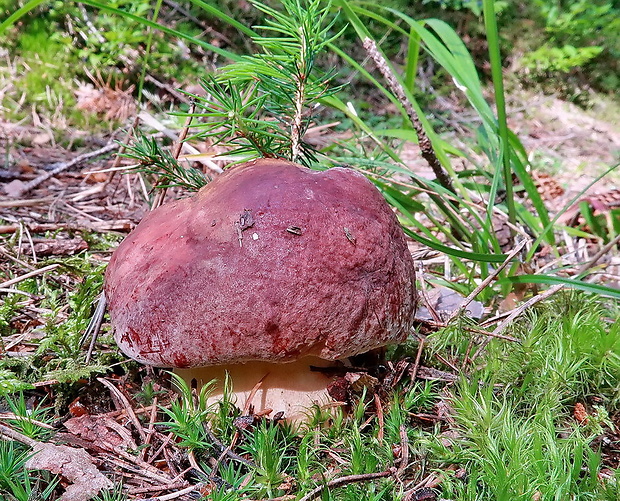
x=270, y=261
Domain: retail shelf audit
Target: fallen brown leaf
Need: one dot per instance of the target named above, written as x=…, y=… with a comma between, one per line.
x=73, y=464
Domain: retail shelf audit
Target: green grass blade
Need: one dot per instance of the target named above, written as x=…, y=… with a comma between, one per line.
x=222, y=52
x=413, y=55
x=495, y=58
x=19, y=13
x=450, y=251
x=350, y=11
x=213, y=11
x=569, y=282
x=147, y=51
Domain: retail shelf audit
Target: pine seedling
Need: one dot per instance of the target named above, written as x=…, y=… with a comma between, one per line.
x=261, y=106
x=153, y=159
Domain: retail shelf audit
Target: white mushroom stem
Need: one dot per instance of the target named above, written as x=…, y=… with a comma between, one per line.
x=289, y=387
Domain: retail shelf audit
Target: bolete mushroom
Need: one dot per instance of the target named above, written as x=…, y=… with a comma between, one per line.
x=268, y=270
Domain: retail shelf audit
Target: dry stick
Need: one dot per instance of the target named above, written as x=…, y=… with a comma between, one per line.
x=121, y=150
x=31, y=274
x=518, y=311
x=426, y=147
x=15, y=417
x=481, y=331
x=25, y=203
x=416, y=365
x=7, y=254
x=7, y=433
x=487, y=280
x=151, y=488
x=66, y=165
x=168, y=88
x=349, y=479
x=431, y=309
x=470, y=346
x=16, y=291
x=164, y=444
x=404, y=451
x=94, y=326
x=604, y=250
x=22, y=230
x=380, y=418
x=177, y=494
x=151, y=429
x=225, y=449
x=128, y=462
x=123, y=399
x=176, y=151
x=492, y=334
x=120, y=225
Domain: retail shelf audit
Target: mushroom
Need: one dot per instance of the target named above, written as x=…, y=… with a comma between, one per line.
x=268, y=271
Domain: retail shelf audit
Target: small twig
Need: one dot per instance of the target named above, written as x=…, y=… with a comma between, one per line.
x=480, y=331
x=151, y=429
x=416, y=364
x=94, y=326
x=176, y=151
x=6, y=290
x=487, y=280
x=426, y=147
x=120, y=225
x=470, y=346
x=603, y=250
x=121, y=150
x=145, y=469
x=161, y=448
x=177, y=494
x=28, y=275
x=64, y=166
x=404, y=451
x=168, y=88
x=151, y=488
x=7, y=433
x=518, y=311
x=349, y=479
x=25, y=203
x=7, y=254
x=380, y=418
x=225, y=449
x=492, y=334
x=11, y=416
x=125, y=402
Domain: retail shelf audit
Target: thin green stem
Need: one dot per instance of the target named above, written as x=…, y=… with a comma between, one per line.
x=490, y=23
x=147, y=53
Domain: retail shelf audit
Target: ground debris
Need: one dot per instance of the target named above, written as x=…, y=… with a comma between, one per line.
x=73, y=464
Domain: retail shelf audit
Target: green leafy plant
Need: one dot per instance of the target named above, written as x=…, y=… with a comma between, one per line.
x=153, y=159
x=188, y=413
x=26, y=418
x=17, y=483
x=262, y=104
x=515, y=413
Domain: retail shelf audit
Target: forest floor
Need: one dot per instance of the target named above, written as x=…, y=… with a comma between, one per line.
x=86, y=209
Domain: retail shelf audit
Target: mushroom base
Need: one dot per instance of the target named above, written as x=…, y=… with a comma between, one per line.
x=288, y=387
